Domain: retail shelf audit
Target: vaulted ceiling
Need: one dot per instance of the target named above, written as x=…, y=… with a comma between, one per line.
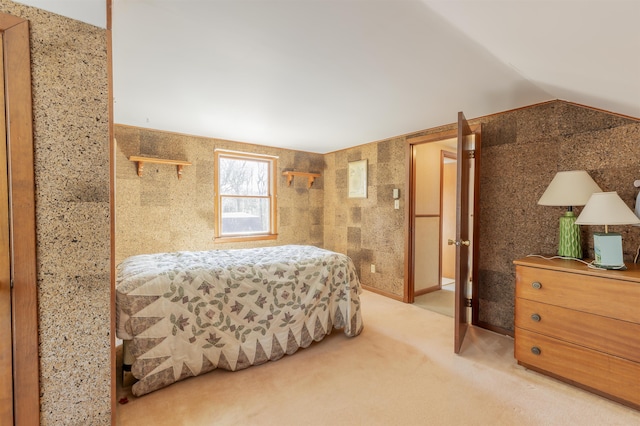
x=321, y=75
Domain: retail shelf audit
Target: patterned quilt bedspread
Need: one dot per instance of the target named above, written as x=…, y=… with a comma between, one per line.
x=187, y=313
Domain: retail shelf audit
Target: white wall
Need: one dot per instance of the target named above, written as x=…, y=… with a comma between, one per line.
x=92, y=12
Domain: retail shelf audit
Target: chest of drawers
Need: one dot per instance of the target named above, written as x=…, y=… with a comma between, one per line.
x=580, y=325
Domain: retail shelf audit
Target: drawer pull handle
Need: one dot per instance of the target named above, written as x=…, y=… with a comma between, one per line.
x=536, y=317
x=536, y=350
x=536, y=285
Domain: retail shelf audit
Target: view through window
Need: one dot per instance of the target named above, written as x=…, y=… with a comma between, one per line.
x=245, y=201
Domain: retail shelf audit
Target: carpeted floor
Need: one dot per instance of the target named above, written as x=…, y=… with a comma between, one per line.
x=400, y=371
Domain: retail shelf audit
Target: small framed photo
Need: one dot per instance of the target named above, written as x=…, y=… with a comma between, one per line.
x=358, y=179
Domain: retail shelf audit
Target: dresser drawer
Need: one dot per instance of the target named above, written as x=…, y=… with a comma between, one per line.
x=604, y=334
x=602, y=296
x=611, y=375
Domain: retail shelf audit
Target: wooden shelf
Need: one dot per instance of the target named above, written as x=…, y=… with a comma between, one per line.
x=141, y=160
x=310, y=176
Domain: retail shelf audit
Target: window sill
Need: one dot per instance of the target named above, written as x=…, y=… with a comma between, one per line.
x=243, y=238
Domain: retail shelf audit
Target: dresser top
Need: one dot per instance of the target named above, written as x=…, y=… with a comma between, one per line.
x=632, y=273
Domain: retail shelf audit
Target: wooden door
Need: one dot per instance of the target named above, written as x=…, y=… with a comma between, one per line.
x=463, y=235
x=17, y=132
x=467, y=191
x=6, y=355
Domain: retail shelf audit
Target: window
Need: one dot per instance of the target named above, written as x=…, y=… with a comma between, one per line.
x=245, y=196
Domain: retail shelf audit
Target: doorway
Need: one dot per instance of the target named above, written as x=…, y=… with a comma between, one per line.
x=435, y=224
x=424, y=245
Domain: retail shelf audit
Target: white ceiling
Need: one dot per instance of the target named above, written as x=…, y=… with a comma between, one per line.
x=321, y=75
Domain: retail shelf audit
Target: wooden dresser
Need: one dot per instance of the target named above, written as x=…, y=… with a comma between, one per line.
x=580, y=325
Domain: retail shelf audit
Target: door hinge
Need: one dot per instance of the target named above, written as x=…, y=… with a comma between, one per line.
x=467, y=303
x=11, y=283
x=472, y=153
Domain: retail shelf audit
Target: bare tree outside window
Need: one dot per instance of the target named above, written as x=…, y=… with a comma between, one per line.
x=243, y=177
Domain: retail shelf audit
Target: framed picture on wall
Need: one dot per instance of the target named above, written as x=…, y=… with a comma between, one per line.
x=358, y=179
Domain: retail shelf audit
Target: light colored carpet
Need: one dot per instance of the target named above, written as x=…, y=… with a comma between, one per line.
x=400, y=371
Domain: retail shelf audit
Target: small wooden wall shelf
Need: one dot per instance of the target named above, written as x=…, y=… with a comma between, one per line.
x=310, y=176
x=141, y=160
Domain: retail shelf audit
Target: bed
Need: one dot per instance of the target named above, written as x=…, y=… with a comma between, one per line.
x=183, y=314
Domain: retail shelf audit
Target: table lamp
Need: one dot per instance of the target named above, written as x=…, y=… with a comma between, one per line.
x=607, y=208
x=569, y=189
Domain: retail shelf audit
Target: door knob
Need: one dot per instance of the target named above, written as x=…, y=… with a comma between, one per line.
x=457, y=243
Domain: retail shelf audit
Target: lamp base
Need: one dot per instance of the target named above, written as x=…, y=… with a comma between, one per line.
x=608, y=250
x=569, y=242
x=611, y=267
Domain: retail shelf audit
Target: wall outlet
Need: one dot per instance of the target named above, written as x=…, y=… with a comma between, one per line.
x=396, y=204
x=373, y=268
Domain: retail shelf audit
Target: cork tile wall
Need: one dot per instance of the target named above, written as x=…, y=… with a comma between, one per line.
x=71, y=141
x=159, y=212
x=521, y=153
x=369, y=230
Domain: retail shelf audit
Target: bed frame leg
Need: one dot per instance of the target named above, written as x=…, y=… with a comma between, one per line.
x=127, y=359
x=126, y=368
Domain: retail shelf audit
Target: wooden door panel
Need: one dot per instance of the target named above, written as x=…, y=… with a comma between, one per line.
x=6, y=355
x=20, y=160
x=465, y=146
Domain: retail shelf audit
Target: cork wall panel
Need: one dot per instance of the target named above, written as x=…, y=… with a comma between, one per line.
x=521, y=152
x=369, y=230
x=71, y=142
x=159, y=212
